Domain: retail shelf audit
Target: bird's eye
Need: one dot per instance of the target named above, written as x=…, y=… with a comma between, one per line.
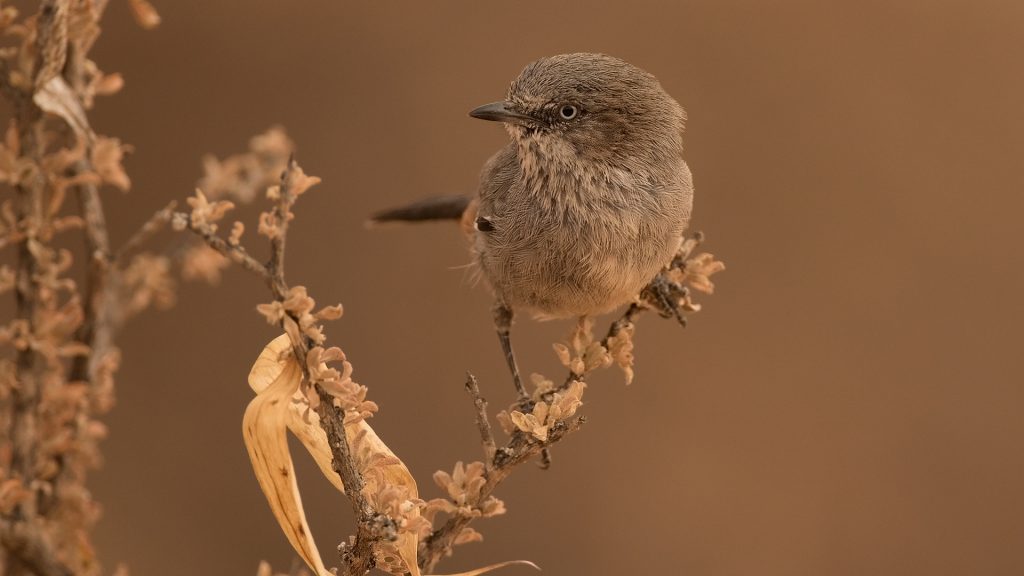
x=568, y=112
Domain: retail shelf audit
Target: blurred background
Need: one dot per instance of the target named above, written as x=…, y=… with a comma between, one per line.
x=849, y=401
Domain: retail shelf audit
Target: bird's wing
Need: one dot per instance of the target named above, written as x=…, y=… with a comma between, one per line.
x=499, y=173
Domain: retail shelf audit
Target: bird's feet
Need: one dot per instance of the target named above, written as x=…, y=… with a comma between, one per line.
x=667, y=297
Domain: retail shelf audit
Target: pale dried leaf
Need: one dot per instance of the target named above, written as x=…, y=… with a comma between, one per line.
x=56, y=97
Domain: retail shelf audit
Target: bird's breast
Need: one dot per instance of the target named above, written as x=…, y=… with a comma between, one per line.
x=576, y=247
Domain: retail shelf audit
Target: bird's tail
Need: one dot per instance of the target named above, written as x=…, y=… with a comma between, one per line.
x=437, y=208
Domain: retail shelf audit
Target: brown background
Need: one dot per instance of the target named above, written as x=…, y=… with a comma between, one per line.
x=848, y=403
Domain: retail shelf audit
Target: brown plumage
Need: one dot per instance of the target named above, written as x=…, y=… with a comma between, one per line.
x=590, y=198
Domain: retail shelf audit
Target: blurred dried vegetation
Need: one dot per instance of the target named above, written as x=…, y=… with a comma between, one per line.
x=58, y=377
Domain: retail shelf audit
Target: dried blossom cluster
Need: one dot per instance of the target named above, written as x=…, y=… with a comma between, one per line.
x=464, y=498
x=241, y=177
x=294, y=311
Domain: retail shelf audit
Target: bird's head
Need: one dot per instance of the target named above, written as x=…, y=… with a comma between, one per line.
x=582, y=107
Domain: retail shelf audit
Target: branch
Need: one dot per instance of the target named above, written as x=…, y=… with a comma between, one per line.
x=234, y=252
x=145, y=232
x=358, y=558
x=522, y=446
x=28, y=544
x=482, y=422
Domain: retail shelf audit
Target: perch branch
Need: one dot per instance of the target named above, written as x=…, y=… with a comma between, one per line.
x=521, y=448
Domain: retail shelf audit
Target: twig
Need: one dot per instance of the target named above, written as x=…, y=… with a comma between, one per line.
x=234, y=252
x=520, y=448
x=157, y=221
x=482, y=422
x=94, y=332
x=281, y=213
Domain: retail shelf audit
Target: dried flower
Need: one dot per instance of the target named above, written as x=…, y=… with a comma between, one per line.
x=620, y=349
x=563, y=404
x=243, y=176
x=147, y=281
x=206, y=214
x=505, y=421
x=698, y=270
x=201, y=262
x=237, y=229
x=467, y=535
x=107, y=154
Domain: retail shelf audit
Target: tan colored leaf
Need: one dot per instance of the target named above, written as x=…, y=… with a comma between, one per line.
x=389, y=487
x=56, y=97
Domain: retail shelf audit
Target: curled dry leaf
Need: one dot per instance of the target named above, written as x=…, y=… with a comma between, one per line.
x=275, y=377
x=279, y=406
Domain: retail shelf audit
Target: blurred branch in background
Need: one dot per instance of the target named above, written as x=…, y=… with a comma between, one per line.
x=58, y=378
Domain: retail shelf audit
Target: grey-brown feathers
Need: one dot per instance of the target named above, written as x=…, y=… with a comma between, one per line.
x=591, y=197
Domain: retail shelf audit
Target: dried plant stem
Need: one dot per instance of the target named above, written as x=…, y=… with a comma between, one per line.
x=358, y=558
x=236, y=253
x=26, y=395
x=94, y=333
x=521, y=448
x=157, y=221
x=482, y=422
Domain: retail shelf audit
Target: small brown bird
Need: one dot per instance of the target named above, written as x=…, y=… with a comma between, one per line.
x=587, y=202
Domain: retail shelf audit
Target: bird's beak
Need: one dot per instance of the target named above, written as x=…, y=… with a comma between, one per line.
x=502, y=112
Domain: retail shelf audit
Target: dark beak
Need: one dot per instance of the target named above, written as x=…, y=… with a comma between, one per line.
x=502, y=112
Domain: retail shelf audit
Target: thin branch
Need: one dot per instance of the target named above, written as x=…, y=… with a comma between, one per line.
x=520, y=448
x=155, y=223
x=282, y=214
x=482, y=422
x=234, y=252
x=94, y=331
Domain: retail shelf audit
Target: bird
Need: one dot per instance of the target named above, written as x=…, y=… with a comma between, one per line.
x=586, y=203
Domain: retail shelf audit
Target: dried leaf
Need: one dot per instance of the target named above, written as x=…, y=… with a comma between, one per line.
x=56, y=97
x=390, y=488
x=263, y=426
